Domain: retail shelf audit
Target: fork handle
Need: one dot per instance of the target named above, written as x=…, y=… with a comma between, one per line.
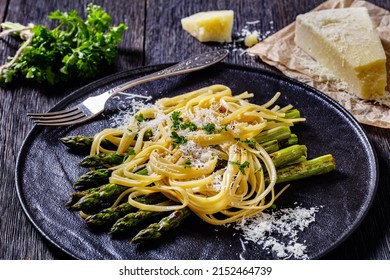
x=189, y=65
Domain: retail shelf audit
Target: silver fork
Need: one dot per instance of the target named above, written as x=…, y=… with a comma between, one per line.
x=93, y=106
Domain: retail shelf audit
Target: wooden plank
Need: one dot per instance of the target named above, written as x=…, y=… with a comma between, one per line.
x=168, y=42
x=3, y=7
x=19, y=240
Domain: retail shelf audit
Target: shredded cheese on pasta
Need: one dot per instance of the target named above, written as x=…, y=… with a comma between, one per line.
x=199, y=155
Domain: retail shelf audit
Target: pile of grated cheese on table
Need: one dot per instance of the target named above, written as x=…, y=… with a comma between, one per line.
x=278, y=231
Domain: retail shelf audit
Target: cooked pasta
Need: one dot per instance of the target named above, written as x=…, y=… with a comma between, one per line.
x=199, y=151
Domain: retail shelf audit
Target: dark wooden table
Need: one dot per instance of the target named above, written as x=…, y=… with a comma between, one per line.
x=154, y=36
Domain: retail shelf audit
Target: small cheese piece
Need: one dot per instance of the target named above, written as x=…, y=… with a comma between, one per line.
x=345, y=42
x=251, y=39
x=211, y=26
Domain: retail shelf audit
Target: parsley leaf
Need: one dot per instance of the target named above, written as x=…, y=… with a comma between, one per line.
x=210, y=128
x=177, y=139
x=140, y=118
x=241, y=166
x=176, y=120
x=190, y=125
x=251, y=143
x=187, y=163
x=74, y=49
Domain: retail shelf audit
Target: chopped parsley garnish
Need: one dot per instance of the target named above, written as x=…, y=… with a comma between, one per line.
x=187, y=163
x=241, y=166
x=251, y=143
x=191, y=126
x=177, y=139
x=210, y=128
x=140, y=118
x=176, y=120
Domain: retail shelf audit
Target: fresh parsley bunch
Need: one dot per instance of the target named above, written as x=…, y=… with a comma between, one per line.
x=74, y=49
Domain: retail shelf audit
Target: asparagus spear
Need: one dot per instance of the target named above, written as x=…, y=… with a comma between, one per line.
x=76, y=196
x=77, y=142
x=131, y=220
x=317, y=166
x=110, y=215
x=271, y=146
x=278, y=133
x=99, y=177
x=274, y=145
x=155, y=230
x=102, y=159
x=93, y=178
x=293, y=114
x=288, y=155
x=83, y=143
x=292, y=140
x=309, y=168
x=95, y=200
x=143, y=171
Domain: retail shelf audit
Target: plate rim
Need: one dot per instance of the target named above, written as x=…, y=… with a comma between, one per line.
x=151, y=68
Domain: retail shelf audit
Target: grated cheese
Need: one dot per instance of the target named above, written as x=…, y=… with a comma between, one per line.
x=204, y=117
x=128, y=107
x=278, y=231
x=217, y=183
x=197, y=154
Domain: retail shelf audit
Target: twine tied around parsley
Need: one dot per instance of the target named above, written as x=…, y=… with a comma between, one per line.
x=25, y=34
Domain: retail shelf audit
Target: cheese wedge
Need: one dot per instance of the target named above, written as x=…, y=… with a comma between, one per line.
x=211, y=26
x=345, y=42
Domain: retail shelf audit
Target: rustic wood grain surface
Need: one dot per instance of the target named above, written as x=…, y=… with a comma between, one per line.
x=154, y=36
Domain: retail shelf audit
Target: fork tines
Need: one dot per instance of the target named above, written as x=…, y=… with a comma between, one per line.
x=63, y=117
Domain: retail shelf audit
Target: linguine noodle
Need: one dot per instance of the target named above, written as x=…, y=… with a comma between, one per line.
x=199, y=152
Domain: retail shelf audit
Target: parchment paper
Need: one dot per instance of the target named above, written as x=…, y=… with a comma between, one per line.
x=281, y=51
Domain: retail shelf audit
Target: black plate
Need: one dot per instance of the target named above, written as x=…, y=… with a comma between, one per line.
x=45, y=172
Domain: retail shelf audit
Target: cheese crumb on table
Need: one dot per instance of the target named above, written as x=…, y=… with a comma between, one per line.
x=345, y=41
x=251, y=39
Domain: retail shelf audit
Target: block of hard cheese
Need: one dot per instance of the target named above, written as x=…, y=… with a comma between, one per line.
x=345, y=42
x=211, y=26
